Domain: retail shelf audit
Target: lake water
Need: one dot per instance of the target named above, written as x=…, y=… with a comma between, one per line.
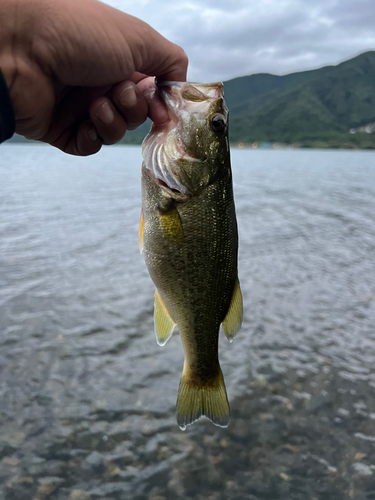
x=87, y=397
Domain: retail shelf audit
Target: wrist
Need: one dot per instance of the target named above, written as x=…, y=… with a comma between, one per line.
x=18, y=62
x=8, y=16
x=18, y=25
x=7, y=69
x=7, y=120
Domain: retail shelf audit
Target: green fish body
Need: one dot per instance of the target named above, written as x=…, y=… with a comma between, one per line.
x=188, y=234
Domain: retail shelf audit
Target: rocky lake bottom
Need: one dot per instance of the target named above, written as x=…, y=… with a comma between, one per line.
x=87, y=398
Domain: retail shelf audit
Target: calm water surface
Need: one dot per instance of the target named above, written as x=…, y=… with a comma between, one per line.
x=87, y=398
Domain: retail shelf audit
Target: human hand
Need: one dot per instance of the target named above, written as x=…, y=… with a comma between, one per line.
x=77, y=71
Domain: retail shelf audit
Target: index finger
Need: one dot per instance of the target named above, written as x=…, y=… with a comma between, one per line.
x=174, y=70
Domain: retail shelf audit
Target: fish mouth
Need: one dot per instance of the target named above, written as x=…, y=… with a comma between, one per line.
x=163, y=149
x=175, y=96
x=193, y=92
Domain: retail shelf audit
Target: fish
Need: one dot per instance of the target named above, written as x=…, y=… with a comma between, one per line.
x=189, y=238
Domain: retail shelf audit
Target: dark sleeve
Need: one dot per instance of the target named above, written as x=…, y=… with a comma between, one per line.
x=7, y=121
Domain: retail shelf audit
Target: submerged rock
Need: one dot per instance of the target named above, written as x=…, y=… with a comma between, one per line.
x=79, y=495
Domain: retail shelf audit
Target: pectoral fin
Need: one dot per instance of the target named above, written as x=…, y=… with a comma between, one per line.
x=164, y=324
x=233, y=319
x=172, y=226
x=141, y=231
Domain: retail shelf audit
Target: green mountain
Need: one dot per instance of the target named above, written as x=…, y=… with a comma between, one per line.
x=311, y=108
x=314, y=108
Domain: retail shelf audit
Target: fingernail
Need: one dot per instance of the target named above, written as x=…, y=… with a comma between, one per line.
x=92, y=134
x=105, y=114
x=128, y=97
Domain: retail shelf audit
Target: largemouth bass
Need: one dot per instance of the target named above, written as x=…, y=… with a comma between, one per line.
x=188, y=234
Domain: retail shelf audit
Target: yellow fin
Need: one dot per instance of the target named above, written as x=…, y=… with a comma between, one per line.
x=171, y=224
x=164, y=324
x=233, y=319
x=141, y=231
x=196, y=400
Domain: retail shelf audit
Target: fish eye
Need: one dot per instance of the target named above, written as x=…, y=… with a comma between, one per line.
x=217, y=124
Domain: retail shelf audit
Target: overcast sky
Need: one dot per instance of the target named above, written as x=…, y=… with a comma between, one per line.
x=225, y=39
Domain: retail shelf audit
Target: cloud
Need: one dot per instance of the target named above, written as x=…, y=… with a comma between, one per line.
x=228, y=39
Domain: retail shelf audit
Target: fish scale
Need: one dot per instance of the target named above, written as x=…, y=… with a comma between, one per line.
x=190, y=243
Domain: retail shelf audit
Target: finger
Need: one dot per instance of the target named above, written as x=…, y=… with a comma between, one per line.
x=88, y=141
x=70, y=112
x=131, y=103
x=137, y=77
x=175, y=69
x=157, y=110
x=108, y=122
x=163, y=59
x=83, y=141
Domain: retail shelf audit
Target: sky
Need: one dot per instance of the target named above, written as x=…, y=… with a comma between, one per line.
x=225, y=39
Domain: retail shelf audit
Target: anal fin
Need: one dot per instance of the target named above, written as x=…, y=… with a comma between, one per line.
x=164, y=324
x=233, y=319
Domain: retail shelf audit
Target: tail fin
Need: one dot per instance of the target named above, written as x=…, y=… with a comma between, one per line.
x=196, y=400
